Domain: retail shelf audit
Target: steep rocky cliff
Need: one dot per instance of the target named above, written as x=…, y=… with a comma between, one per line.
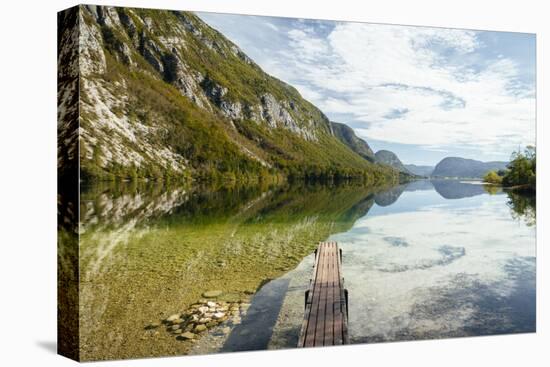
x=391, y=159
x=162, y=94
x=347, y=136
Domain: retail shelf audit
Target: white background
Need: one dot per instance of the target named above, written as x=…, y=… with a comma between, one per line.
x=28, y=182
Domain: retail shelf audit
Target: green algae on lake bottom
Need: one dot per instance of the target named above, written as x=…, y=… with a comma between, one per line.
x=147, y=253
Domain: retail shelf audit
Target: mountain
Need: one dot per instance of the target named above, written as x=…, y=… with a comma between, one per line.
x=388, y=197
x=461, y=167
x=453, y=189
x=164, y=95
x=419, y=170
x=390, y=158
x=346, y=135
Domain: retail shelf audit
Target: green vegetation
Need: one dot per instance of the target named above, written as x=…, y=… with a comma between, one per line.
x=493, y=177
x=522, y=170
x=166, y=246
x=520, y=173
x=212, y=148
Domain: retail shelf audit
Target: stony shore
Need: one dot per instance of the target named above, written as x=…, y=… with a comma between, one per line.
x=195, y=322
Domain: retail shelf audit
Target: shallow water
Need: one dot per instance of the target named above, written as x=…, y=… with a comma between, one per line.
x=429, y=260
x=429, y=266
x=423, y=260
x=147, y=252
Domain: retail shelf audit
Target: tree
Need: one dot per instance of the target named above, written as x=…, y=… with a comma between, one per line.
x=492, y=177
x=522, y=169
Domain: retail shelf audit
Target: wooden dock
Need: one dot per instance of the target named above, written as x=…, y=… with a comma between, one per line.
x=326, y=306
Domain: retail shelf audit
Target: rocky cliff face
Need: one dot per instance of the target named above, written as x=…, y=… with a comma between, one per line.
x=390, y=159
x=347, y=136
x=161, y=92
x=67, y=93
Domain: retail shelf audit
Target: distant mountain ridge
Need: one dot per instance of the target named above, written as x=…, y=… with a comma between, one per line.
x=466, y=168
x=390, y=158
x=425, y=171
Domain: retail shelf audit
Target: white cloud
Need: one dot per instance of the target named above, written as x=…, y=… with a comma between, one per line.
x=457, y=91
x=482, y=229
x=368, y=71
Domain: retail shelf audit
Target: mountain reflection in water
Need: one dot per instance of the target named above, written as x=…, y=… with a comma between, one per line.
x=427, y=259
x=431, y=259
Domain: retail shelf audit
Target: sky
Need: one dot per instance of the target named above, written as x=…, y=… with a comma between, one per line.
x=423, y=93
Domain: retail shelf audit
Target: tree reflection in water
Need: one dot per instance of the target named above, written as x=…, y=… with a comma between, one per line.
x=523, y=206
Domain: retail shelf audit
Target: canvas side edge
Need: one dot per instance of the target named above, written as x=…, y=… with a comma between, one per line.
x=68, y=78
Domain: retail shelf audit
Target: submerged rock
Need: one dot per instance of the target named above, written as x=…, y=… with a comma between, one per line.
x=218, y=315
x=203, y=316
x=176, y=321
x=186, y=336
x=173, y=317
x=189, y=327
x=175, y=327
x=200, y=328
x=212, y=294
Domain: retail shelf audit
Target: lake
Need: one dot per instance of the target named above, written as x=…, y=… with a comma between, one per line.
x=428, y=259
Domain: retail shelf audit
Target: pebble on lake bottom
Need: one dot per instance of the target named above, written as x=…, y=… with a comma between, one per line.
x=201, y=317
x=186, y=336
x=200, y=327
x=212, y=294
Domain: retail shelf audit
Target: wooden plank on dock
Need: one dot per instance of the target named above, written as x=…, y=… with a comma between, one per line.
x=325, y=316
